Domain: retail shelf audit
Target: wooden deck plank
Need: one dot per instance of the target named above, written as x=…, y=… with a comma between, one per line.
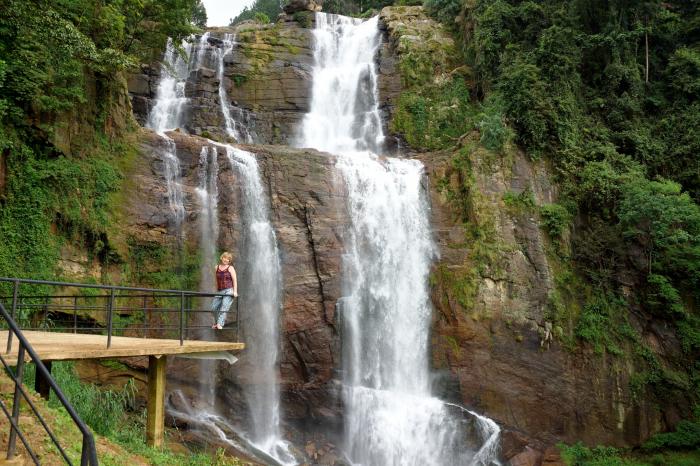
x=54, y=346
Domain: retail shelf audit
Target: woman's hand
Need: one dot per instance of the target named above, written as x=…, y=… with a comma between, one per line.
x=235, y=294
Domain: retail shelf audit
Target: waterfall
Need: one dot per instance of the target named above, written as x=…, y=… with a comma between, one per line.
x=234, y=117
x=261, y=278
x=167, y=115
x=261, y=285
x=391, y=417
x=207, y=193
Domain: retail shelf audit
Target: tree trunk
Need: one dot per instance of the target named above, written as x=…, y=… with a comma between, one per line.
x=646, y=53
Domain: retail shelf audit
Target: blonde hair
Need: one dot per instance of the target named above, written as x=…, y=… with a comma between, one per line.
x=226, y=254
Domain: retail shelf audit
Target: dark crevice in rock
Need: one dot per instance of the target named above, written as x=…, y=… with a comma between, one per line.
x=314, y=256
x=305, y=372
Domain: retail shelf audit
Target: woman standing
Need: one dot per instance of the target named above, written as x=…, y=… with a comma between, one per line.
x=226, y=284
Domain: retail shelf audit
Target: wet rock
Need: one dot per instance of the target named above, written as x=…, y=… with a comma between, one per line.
x=552, y=457
x=529, y=457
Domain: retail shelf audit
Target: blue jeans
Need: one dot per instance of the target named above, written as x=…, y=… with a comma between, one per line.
x=221, y=304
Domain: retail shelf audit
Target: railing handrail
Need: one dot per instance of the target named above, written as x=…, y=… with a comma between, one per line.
x=106, y=287
x=89, y=453
x=112, y=296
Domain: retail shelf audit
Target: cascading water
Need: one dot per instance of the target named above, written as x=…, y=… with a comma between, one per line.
x=261, y=278
x=391, y=417
x=234, y=117
x=167, y=114
x=208, y=195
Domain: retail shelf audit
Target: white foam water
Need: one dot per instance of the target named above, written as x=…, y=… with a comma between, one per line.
x=392, y=419
x=235, y=118
x=167, y=114
x=261, y=278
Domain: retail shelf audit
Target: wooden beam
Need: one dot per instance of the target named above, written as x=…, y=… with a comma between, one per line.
x=156, y=401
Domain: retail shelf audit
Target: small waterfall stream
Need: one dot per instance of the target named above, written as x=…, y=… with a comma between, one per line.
x=391, y=417
x=167, y=114
x=234, y=118
x=261, y=278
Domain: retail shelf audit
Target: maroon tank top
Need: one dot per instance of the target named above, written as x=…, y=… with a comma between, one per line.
x=224, y=279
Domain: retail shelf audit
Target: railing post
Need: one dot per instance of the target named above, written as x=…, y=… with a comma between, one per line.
x=19, y=374
x=110, y=308
x=46, y=313
x=89, y=455
x=75, y=314
x=182, y=318
x=15, y=291
x=145, y=317
x=238, y=320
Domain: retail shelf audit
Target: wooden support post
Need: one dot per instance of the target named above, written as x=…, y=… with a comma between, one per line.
x=156, y=401
x=41, y=385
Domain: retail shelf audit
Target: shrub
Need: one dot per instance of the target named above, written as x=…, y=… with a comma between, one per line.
x=445, y=11
x=491, y=122
x=261, y=18
x=686, y=436
x=555, y=219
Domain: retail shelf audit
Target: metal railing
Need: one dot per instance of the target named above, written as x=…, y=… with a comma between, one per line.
x=110, y=310
x=89, y=453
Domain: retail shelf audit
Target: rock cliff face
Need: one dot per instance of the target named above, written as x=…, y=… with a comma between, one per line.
x=266, y=78
x=494, y=347
x=309, y=215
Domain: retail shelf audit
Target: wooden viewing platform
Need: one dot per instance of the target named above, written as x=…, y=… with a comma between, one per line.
x=55, y=346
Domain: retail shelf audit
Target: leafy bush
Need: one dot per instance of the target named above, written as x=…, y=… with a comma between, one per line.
x=526, y=103
x=580, y=455
x=598, y=323
x=555, y=219
x=445, y=11
x=491, y=123
x=304, y=18
x=686, y=436
x=261, y=18
x=663, y=298
x=101, y=409
x=435, y=115
x=666, y=223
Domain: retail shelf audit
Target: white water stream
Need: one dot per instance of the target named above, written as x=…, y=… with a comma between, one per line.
x=261, y=285
x=235, y=118
x=391, y=417
x=261, y=278
x=167, y=114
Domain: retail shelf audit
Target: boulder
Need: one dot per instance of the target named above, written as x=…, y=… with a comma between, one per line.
x=294, y=6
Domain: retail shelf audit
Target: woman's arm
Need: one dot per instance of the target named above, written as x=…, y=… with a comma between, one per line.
x=232, y=271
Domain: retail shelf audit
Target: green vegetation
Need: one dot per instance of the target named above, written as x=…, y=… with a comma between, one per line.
x=555, y=219
x=65, y=128
x=580, y=455
x=607, y=93
x=435, y=116
x=269, y=8
x=304, y=18
x=111, y=413
x=357, y=8
x=262, y=18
